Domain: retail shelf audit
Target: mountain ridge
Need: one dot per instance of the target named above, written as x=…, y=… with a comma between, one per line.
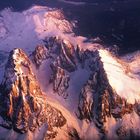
x=74, y=88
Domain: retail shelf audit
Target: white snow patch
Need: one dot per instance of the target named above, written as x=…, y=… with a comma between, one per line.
x=125, y=83
x=27, y=29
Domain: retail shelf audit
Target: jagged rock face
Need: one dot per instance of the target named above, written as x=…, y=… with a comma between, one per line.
x=98, y=100
x=63, y=52
x=125, y=132
x=73, y=134
x=39, y=55
x=60, y=80
x=63, y=61
x=23, y=107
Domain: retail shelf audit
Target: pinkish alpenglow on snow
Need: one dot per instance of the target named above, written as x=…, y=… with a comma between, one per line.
x=57, y=85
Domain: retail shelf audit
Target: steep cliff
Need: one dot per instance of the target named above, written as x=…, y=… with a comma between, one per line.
x=23, y=106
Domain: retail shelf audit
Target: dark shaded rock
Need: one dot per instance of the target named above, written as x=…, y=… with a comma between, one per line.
x=73, y=134
x=60, y=80
x=137, y=108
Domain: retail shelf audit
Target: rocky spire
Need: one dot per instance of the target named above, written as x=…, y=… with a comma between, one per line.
x=23, y=107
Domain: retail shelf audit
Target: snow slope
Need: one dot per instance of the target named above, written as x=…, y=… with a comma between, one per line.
x=122, y=79
x=27, y=29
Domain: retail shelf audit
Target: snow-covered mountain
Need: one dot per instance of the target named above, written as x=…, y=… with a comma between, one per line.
x=55, y=85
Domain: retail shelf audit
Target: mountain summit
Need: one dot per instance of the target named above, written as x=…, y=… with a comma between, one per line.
x=23, y=105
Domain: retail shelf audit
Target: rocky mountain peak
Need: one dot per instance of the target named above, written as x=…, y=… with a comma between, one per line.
x=23, y=106
x=18, y=61
x=98, y=101
x=63, y=51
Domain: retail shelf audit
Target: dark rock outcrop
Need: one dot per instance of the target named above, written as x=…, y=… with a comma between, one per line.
x=63, y=52
x=60, y=80
x=73, y=134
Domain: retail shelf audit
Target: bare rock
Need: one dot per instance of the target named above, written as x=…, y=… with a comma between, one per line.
x=60, y=80
x=23, y=107
x=98, y=101
x=39, y=54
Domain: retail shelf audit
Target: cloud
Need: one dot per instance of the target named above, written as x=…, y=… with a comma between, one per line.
x=72, y=2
